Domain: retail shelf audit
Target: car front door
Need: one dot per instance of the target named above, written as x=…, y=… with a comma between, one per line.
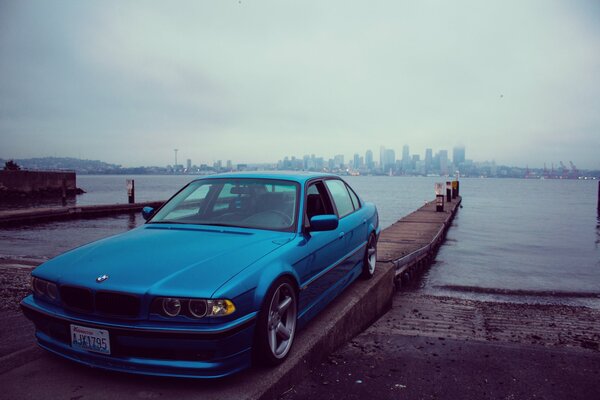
x=321, y=252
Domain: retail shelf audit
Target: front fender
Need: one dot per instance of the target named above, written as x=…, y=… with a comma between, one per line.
x=259, y=278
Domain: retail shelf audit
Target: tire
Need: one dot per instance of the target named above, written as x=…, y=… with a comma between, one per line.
x=276, y=326
x=370, y=258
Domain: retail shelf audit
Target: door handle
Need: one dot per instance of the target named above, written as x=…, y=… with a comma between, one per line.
x=342, y=234
x=364, y=221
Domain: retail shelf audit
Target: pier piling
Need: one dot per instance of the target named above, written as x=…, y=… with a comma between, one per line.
x=131, y=191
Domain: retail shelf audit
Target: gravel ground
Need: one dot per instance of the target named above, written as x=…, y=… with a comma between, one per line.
x=14, y=284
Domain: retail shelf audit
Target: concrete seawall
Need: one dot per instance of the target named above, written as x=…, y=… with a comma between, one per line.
x=403, y=248
x=15, y=183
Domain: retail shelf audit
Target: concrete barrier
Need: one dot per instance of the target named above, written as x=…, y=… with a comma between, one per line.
x=16, y=183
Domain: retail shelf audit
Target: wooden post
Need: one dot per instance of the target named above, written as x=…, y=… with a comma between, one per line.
x=457, y=187
x=439, y=197
x=448, y=192
x=454, y=189
x=64, y=192
x=439, y=203
x=131, y=190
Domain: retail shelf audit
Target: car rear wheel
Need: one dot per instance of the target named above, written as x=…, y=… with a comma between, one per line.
x=277, y=323
x=370, y=259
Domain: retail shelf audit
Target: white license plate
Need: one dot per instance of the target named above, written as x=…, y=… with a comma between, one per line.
x=90, y=339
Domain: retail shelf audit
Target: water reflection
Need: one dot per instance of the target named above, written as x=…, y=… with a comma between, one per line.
x=26, y=202
x=131, y=221
x=598, y=228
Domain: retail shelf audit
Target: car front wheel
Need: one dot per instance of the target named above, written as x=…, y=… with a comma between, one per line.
x=277, y=323
x=370, y=259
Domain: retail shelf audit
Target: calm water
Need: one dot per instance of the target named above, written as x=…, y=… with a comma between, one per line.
x=532, y=239
x=538, y=239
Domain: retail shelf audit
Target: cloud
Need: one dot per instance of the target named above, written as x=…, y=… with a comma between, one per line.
x=260, y=80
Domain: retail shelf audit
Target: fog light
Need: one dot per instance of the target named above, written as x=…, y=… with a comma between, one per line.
x=197, y=308
x=171, y=306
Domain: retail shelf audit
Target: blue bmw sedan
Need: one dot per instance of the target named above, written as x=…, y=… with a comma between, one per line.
x=222, y=275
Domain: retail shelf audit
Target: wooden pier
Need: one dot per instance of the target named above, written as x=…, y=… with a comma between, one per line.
x=412, y=242
x=35, y=215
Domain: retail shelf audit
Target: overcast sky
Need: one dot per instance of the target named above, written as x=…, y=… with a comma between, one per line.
x=517, y=82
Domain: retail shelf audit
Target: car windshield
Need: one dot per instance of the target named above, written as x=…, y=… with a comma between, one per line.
x=246, y=203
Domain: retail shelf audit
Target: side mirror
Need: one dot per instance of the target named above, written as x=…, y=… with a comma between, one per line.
x=327, y=222
x=147, y=213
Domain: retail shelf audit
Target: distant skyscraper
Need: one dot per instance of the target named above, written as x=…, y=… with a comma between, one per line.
x=369, y=159
x=405, y=153
x=189, y=164
x=406, y=161
x=382, y=157
x=356, y=161
x=428, y=159
x=458, y=155
x=443, y=155
x=389, y=160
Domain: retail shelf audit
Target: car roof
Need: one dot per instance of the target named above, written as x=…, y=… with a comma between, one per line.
x=297, y=176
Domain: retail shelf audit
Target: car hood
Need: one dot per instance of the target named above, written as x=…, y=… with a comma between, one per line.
x=165, y=260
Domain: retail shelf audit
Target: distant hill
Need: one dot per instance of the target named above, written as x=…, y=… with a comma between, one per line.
x=67, y=163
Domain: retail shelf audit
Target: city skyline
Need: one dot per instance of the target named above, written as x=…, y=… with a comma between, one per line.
x=514, y=82
x=406, y=164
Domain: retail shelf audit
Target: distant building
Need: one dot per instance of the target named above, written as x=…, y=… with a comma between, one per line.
x=458, y=156
x=443, y=157
x=356, y=161
x=405, y=153
x=338, y=161
x=389, y=161
x=369, y=159
x=382, y=157
x=428, y=160
x=189, y=164
x=406, y=161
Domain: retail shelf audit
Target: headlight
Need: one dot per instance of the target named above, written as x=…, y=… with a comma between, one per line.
x=44, y=289
x=192, y=308
x=219, y=308
x=171, y=306
x=39, y=286
x=197, y=307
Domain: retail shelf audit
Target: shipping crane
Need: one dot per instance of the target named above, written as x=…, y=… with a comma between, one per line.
x=565, y=170
x=574, y=170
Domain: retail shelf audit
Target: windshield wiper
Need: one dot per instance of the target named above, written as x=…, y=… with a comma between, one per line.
x=168, y=222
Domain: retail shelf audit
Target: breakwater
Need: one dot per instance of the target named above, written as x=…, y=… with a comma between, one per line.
x=14, y=184
x=35, y=215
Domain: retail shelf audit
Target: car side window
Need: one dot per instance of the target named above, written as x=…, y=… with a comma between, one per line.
x=354, y=198
x=317, y=201
x=341, y=197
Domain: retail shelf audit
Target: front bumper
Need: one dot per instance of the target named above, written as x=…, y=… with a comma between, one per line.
x=198, y=352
